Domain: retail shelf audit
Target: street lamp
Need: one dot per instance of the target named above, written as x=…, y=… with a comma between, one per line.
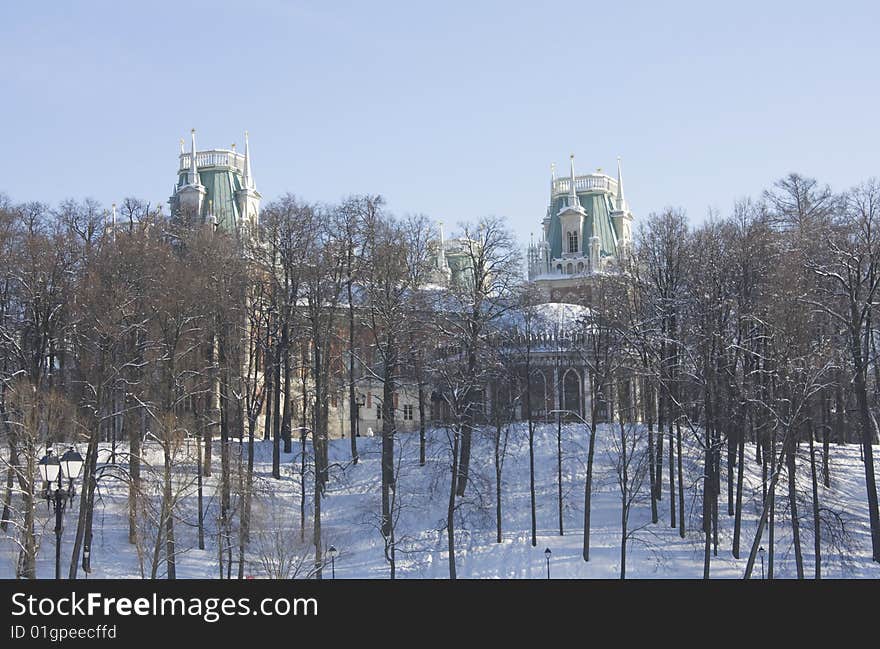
x=52, y=470
x=332, y=552
x=547, y=554
x=359, y=401
x=761, y=553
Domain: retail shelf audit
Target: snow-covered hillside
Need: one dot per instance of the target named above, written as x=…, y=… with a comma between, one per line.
x=350, y=518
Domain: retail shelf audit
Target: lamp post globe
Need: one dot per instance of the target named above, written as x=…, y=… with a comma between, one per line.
x=71, y=464
x=49, y=467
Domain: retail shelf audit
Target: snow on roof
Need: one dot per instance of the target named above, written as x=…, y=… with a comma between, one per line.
x=550, y=317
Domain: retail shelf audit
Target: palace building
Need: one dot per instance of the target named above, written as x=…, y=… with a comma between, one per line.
x=217, y=187
x=587, y=229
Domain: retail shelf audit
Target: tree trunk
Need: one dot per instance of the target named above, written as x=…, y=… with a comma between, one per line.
x=531, y=445
x=671, y=478
x=737, y=521
x=649, y=416
x=708, y=484
x=826, y=437
x=771, y=494
x=817, y=530
x=559, y=468
x=268, y=374
x=134, y=474
x=867, y=432
x=170, y=558
x=468, y=424
x=450, y=508
x=83, y=536
x=388, y=432
x=276, y=418
x=792, y=501
x=352, y=397
x=624, y=505
x=288, y=396
x=680, y=481
x=10, y=482
x=498, y=479
x=422, y=424
x=200, y=494
x=588, y=487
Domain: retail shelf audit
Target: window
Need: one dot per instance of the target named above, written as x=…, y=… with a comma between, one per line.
x=378, y=411
x=407, y=412
x=572, y=242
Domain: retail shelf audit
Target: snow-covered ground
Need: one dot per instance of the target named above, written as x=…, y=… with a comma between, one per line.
x=350, y=518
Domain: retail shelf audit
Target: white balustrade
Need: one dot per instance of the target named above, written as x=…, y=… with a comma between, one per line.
x=213, y=158
x=591, y=182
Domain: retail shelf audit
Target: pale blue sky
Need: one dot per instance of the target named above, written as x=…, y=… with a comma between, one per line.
x=453, y=109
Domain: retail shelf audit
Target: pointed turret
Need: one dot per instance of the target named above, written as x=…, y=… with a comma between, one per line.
x=572, y=194
x=443, y=274
x=621, y=218
x=620, y=202
x=193, y=177
x=248, y=179
x=190, y=194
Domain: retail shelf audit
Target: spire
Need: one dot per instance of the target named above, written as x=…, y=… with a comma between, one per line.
x=193, y=170
x=248, y=177
x=552, y=172
x=620, y=199
x=572, y=195
x=182, y=151
x=441, y=250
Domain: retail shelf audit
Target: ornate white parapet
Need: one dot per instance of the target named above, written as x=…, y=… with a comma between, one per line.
x=214, y=158
x=589, y=182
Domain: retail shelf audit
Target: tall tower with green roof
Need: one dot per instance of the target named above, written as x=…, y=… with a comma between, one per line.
x=587, y=229
x=217, y=186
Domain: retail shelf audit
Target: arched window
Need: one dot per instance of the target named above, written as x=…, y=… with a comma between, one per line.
x=572, y=242
x=571, y=392
x=580, y=267
x=569, y=269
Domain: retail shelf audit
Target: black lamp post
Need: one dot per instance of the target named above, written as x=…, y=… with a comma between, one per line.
x=359, y=401
x=53, y=471
x=332, y=552
x=761, y=554
x=547, y=554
